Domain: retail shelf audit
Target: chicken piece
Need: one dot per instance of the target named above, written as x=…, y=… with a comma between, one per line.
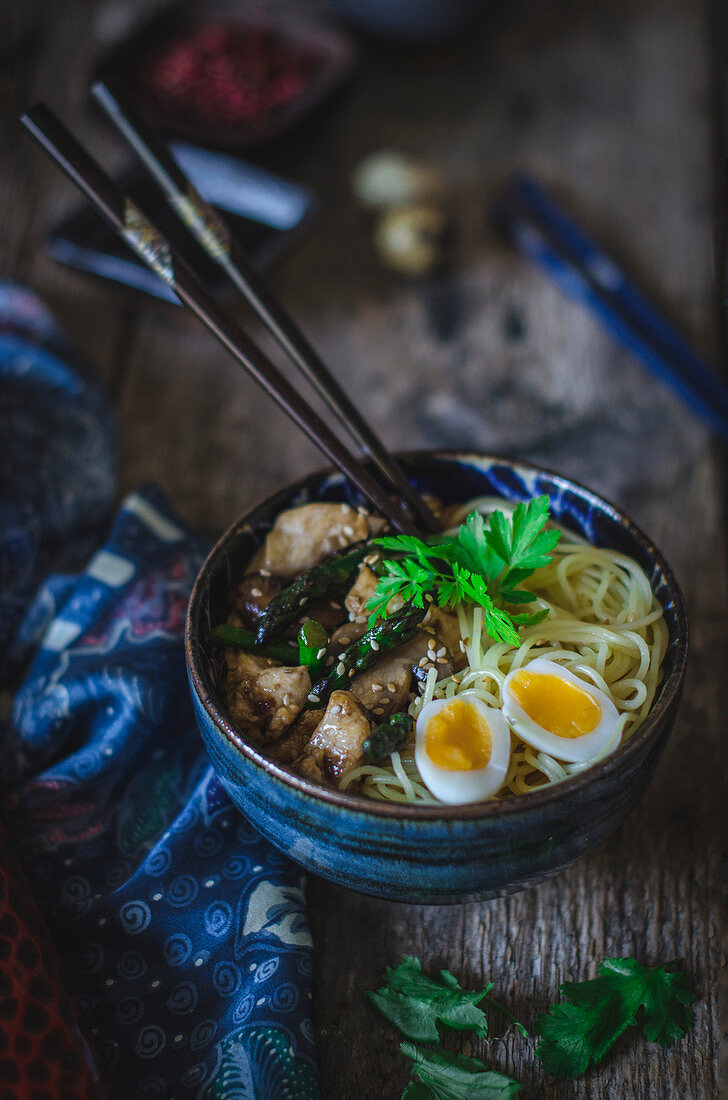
x=384, y=688
x=251, y=596
x=361, y=590
x=303, y=536
x=336, y=747
x=447, y=633
x=294, y=741
x=263, y=696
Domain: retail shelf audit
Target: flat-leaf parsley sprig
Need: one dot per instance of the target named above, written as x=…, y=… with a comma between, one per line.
x=486, y=563
x=580, y=1031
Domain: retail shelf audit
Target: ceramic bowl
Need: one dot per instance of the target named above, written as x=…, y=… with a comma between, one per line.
x=434, y=854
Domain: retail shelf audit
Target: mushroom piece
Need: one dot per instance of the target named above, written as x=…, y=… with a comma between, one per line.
x=336, y=747
x=263, y=696
x=250, y=597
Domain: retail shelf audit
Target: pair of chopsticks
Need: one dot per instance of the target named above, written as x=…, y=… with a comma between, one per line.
x=532, y=221
x=399, y=502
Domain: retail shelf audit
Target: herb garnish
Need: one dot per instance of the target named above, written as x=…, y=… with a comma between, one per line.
x=574, y=1034
x=440, y=1075
x=578, y=1032
x=485, y=564
x=414, y=1003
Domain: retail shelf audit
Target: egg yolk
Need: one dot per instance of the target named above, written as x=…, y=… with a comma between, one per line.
x=555, y=704
x=458, y=738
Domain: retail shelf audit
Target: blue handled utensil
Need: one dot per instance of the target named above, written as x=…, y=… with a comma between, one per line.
x=541, y=230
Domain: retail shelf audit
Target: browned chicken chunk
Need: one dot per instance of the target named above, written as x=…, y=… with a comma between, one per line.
x=361, y=590
x=293, y=742
x=384, y=688
x=447, y=633
x=303, y=536
x=336, y=747
x=263, y=696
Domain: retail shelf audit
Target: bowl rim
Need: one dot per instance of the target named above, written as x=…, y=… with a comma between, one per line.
x=474, y=811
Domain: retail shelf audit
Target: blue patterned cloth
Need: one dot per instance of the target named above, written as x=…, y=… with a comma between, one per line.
x=183, y=932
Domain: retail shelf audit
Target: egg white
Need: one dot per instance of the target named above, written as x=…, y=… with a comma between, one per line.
x=455, y=786
x=575, y=750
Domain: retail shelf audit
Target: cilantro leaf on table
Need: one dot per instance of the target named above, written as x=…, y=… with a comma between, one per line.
x=440, y=1075
x=581, y=1030
x=484, y=564
x=414, y=1002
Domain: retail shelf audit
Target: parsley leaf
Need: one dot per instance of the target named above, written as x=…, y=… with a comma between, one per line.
x=581, y=1030
x=440, y=1075
x=414, y=1002
x=484, y=564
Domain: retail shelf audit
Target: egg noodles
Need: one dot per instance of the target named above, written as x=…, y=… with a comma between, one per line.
x=604, y=625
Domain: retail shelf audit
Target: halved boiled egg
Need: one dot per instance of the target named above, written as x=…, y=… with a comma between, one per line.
x=553, y=710
x=462, y=748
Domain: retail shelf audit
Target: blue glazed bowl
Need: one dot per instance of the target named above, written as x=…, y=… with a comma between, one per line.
x=434, y=854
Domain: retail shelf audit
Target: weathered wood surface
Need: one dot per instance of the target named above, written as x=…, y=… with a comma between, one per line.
x=611, y=104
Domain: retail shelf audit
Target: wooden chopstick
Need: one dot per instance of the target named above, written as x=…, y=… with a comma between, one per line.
x=138, y=232
x=221, y=246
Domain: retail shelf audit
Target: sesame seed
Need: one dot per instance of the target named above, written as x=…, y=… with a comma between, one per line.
x=313, y=698
x=321, y=654
x=442, y=660
x=378, y=710
x=428, y=597
x=431, y=655
x=377, y=687
x=302, y=601
x=391, y=686
x=422, y=662
x=336, y=606
x=348, y=531
x=441, y=651
x=340, y=668
x=462, y=645
x=344, y=639
x=386, y=699
x=351, y=673
x=374, y=645
x=286, y=700
x=255, y=592
x=264, y=572
x=342, y=655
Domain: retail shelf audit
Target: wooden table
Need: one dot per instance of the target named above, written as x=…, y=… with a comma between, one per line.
x=609, y=103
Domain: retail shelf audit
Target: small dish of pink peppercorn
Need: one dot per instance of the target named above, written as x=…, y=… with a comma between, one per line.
x=230, y=81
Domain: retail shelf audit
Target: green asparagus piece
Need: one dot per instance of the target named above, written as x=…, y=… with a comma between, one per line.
x=362, y=654
x=236, y=638
x=312, y=643
x=387, y=737
x=321, y=580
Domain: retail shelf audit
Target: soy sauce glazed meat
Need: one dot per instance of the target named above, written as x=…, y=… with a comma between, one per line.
x=305, y=676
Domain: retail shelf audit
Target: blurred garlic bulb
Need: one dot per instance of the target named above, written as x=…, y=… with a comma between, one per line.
x=412, y=239
x=387, y=178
